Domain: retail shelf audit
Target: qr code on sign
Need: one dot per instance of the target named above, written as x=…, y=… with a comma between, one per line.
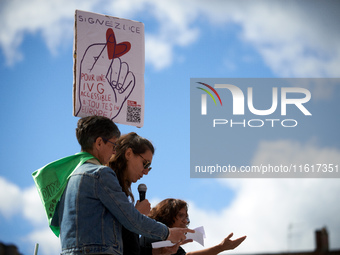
x=133, y=113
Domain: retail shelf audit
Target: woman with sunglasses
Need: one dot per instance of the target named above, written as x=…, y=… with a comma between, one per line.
x=174, y=213
x=131, y=161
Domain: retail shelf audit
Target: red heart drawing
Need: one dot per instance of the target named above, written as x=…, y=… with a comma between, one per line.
x=115, y=50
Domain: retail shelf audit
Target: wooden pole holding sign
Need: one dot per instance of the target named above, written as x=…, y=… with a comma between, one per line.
x=109, y=64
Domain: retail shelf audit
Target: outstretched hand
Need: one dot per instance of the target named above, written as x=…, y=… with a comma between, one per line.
x=228, y=244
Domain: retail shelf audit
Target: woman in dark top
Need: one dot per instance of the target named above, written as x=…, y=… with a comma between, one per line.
x=174, y=213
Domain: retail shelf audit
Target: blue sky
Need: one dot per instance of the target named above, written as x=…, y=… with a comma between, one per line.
x=184, y=39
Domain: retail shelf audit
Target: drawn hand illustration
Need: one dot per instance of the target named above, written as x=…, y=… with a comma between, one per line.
x=103, y=59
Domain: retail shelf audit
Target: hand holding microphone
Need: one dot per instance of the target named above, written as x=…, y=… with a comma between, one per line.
x=143, y=205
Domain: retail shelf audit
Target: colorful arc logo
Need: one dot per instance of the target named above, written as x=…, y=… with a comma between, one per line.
x=204, y=97
x=213, y=90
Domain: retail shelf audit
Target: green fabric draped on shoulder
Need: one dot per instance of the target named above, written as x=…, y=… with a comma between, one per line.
x=51, y=181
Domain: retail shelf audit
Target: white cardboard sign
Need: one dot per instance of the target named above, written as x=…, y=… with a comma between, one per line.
x=109, y=64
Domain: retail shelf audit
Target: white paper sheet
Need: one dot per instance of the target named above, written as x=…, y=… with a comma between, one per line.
x=198, y=236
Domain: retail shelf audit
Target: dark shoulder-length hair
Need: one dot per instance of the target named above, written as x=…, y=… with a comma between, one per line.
x=118, y=162
x=167, y=210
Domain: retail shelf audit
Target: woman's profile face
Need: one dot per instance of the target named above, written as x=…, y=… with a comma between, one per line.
x=135, y=164
x=181, y=219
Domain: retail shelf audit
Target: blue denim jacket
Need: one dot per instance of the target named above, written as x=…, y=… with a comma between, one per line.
x=92, y=211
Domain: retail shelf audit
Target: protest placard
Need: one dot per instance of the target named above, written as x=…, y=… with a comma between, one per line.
x=109, y=64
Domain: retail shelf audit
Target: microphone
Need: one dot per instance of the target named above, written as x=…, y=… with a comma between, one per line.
x=142, y=190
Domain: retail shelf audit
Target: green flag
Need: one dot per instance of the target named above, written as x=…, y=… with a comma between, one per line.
x=51, y=181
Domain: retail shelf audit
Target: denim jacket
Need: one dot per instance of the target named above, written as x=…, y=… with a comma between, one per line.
x=93, y=209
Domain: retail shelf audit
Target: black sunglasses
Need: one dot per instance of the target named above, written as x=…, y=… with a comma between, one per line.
x=146, y=163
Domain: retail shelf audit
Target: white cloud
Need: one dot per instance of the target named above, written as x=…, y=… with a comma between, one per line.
x=295, y=39
x=33, y=209
x=298, y=39
x=158, y=52
x=26, y=203
x=15, y=201
x=293, y=152
x=10, y=198
x=53, y=19
x=49, y=244
x=277, y=214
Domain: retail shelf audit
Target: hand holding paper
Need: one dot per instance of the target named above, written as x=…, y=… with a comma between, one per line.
x=178, y=234
x=196, y=234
